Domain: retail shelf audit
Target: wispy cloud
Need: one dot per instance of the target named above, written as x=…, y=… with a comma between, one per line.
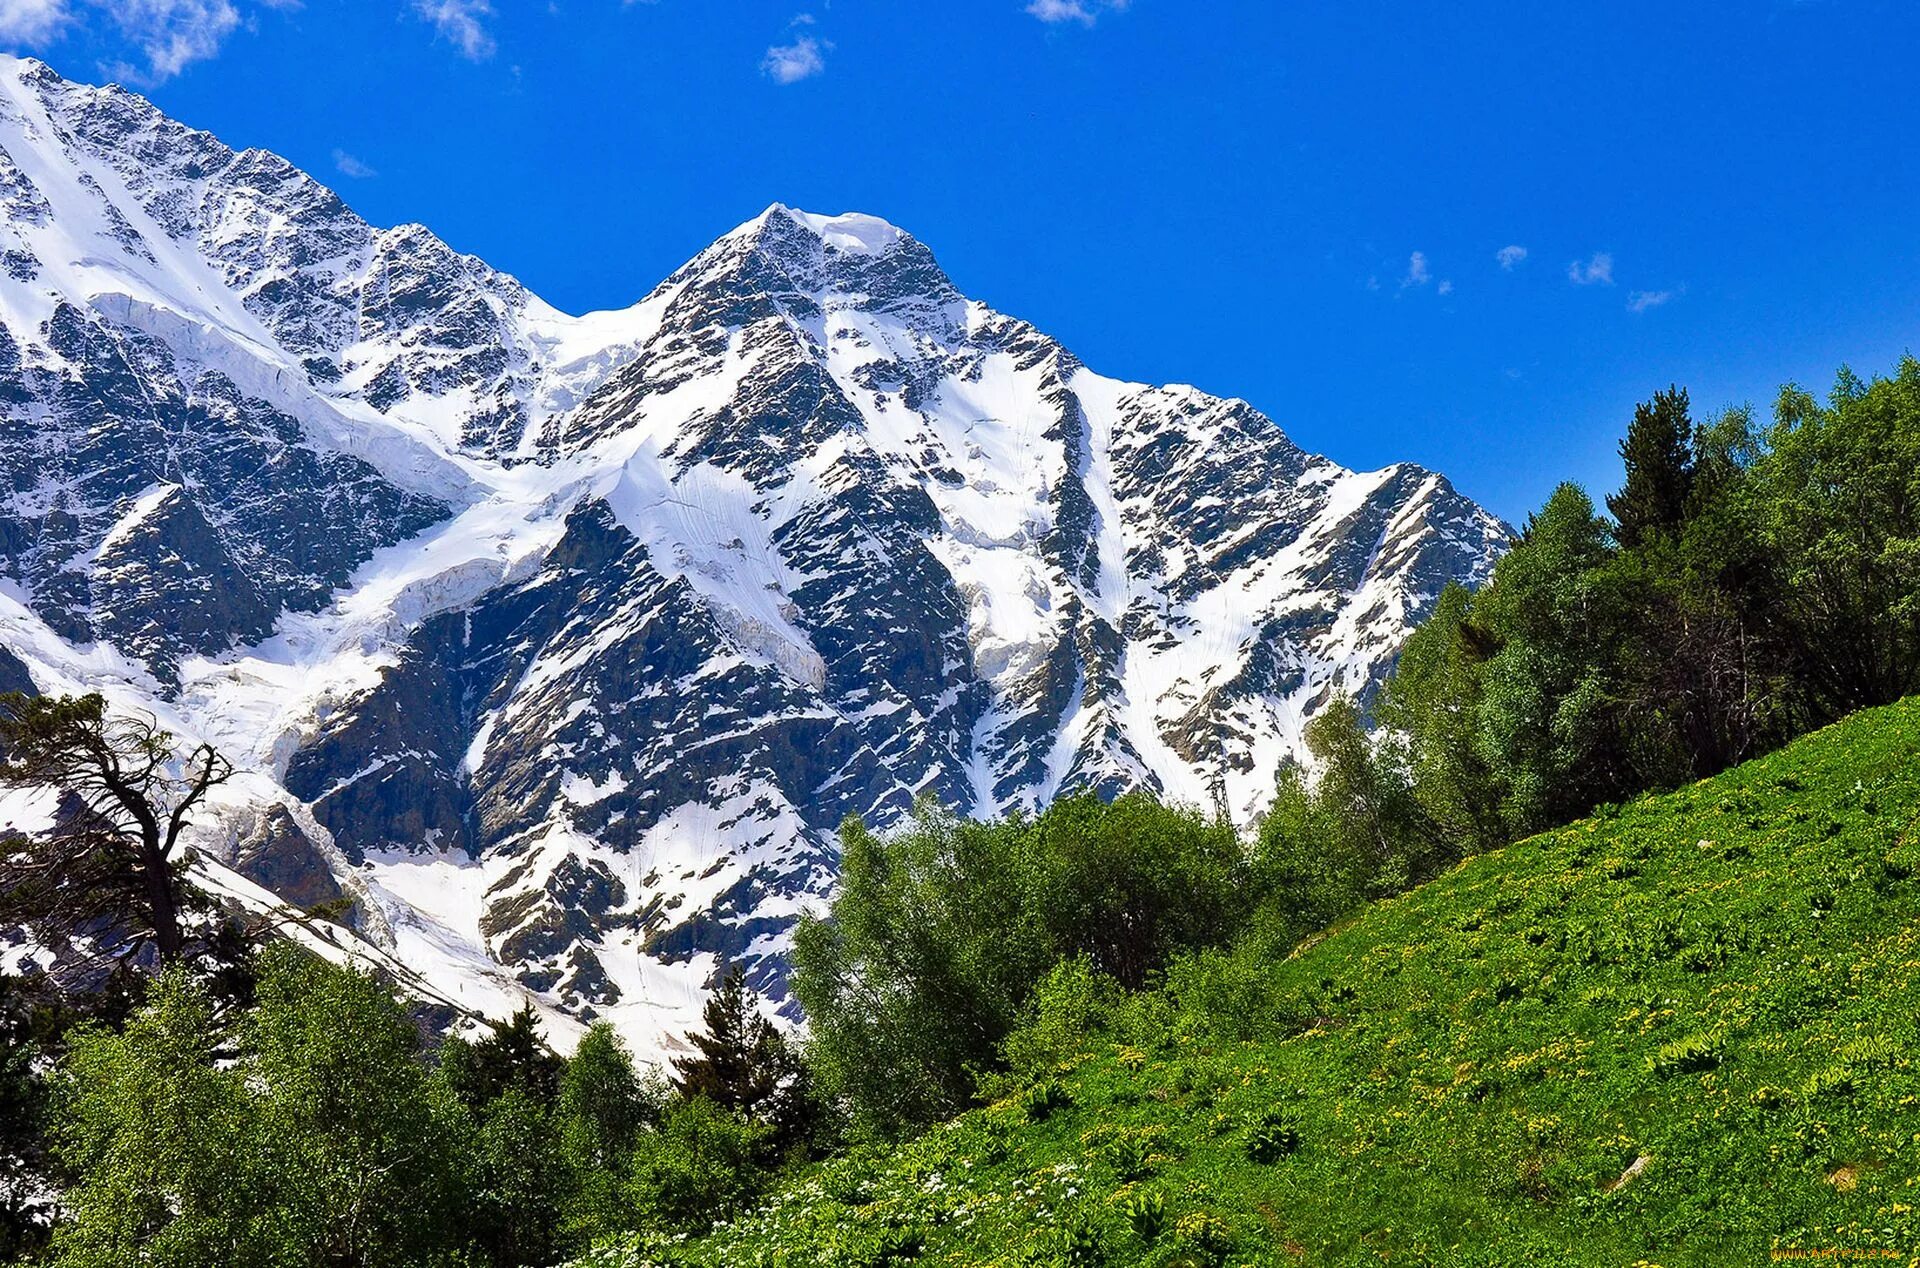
x=463, y=23
x=349, y=166
x=169, y=35
x=1641, y=301
x=1420, y=273
x=1085, y=12
x=33, y=22
x=1597, y=270
x=1510, y=257
x=791, y=63
x=175, y=33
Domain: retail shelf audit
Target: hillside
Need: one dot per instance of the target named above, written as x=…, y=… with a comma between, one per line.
x=1680, y=1032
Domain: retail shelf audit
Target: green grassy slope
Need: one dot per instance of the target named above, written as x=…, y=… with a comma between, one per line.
x=1682, y=1033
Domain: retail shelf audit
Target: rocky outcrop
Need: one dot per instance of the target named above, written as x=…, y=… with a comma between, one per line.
x=577, y=637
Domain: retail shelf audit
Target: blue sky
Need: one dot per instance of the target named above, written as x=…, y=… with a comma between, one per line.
x=1469, y=235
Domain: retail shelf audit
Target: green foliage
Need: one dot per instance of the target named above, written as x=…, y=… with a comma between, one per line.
x=311, y=1129
x=1039, y=1102
x=1688, y=1055
x=603, y=1104
x=1354, y=834
x=1128, y=884
x=941, y=933
x=1548, y=716
x=705, y=1163
x=518, y=1182
x=1071, y=1007
x=1145, y=1212
x=1658, y=456
x=921, y=968
x=1837, y=498
x=364, y=1146
x=170, y=1168
x=742, y=1063
x=1431, y=703
x=1751, y=586
x=1271, y=1136
x=602, y=1111
x=510, y=1056
x=1631, y=1038
x=1076, y=1245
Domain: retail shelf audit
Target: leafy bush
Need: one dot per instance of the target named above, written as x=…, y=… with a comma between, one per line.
x=705, y=1163
x=1071, y=1007
x=1040, y=1101
x=1146, y=1214
x=943, y=932
x=1272, y=1136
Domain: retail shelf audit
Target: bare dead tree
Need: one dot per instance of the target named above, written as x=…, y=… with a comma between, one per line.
x=118, y=856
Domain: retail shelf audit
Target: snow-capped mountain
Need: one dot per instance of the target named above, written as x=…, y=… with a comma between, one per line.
x=564, y=643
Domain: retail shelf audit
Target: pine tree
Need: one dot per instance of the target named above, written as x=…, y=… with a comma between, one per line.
x=510, y=1056
x=743, y=1063
x=1658, y=453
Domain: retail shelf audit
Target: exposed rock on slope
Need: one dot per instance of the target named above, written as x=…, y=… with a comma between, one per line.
x=562, y=644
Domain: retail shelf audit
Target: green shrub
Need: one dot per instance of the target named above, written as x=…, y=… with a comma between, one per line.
x=1271, y=1136
x=703, y=1164
x=1689, y=1055
x=1040, y=1101
x=1145, y=1212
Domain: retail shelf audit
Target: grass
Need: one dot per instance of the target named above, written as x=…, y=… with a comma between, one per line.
x=1681, y=1032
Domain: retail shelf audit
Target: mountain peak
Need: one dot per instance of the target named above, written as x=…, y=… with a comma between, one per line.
x=850, y=231
x=632, y=609
x=848, y=234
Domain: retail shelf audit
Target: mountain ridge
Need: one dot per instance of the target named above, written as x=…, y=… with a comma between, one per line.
x=564, y=642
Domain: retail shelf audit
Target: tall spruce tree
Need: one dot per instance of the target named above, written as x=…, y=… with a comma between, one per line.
x=511, y=1055
x=1658, y=453
x=743, y=1063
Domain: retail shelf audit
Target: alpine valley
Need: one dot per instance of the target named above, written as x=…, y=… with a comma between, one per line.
x=560, y=645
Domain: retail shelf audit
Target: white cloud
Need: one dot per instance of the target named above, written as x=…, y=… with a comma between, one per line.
x=1598, y=269
x=1418, y=274
x=1085, y=12
x=175, y=33
x=169, y=34
x=33, y=21
x=1510, y=256
x=1445, y=287
x=1641, y=301
x=463, y=23
x=349, y=166
x=791, y=63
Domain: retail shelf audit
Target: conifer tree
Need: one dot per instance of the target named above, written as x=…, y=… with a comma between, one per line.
x=1658, y=453
x=743, y=1063
x=510, y=1056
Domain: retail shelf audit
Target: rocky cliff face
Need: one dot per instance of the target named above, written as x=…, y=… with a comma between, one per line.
x=562, y=644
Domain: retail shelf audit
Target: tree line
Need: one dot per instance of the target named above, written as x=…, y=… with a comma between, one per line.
x=1746, y=583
